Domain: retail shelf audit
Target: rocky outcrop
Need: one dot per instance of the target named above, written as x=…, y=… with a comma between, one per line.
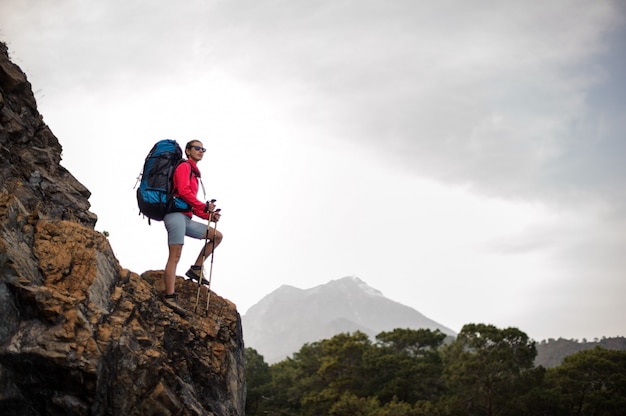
x=80, y=335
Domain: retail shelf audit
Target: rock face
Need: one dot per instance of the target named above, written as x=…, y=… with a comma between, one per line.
x=80, y=335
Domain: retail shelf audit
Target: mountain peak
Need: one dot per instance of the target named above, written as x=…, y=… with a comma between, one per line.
x=353, y=283
x=280, y=323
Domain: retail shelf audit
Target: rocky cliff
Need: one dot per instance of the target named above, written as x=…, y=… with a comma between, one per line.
x=80, y=335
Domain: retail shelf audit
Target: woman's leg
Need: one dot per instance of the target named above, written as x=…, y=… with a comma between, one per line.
x=175, y=251
x=213, y=236
x=175, y=223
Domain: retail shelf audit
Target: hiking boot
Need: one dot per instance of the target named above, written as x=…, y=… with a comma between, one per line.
x=194, y=274
x=171, y=301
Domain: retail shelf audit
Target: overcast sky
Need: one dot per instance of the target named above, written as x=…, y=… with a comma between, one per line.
x=466, y=158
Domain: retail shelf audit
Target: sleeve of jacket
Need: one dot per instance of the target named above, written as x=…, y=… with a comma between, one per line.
x=182, y=183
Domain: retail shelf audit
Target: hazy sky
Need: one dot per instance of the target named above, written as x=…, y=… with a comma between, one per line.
x=466, y=158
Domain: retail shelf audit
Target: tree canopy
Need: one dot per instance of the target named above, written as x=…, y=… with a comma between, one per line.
x=406, y=372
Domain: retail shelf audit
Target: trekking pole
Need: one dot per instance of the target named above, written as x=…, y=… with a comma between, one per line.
x=206, y=242
x=208, y=290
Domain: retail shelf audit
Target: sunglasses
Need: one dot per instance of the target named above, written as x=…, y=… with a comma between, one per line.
x=198, y=148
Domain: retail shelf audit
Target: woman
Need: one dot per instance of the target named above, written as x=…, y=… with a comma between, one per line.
x=180, y=224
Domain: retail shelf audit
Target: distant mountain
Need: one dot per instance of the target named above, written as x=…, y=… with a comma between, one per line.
x=552, y=352
x=283, y=321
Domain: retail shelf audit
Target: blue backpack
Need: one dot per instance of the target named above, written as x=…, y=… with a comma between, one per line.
x=155, y=196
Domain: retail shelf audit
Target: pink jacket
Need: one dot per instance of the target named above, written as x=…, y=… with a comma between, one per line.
x=186, y=187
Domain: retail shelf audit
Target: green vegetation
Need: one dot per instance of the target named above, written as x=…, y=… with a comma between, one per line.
x=484, y=371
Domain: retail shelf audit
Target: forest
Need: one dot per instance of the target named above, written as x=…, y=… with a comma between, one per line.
x=485, y=370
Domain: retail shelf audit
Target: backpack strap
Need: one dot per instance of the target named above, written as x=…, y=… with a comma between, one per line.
x=192, y=172
x=196, y=173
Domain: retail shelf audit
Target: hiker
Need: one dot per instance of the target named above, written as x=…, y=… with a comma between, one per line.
x=180, y=224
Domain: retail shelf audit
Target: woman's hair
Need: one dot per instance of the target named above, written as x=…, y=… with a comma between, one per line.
x=189, y=144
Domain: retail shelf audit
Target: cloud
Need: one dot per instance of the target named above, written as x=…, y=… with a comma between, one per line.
x=494, y=95
x=507, y=97
x=106, y=44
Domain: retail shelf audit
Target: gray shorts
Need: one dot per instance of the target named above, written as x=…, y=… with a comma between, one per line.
x=179, y=225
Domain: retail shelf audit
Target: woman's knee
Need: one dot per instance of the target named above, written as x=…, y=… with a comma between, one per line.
x=218, y=236
x=214, y=235
x=175, y=252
